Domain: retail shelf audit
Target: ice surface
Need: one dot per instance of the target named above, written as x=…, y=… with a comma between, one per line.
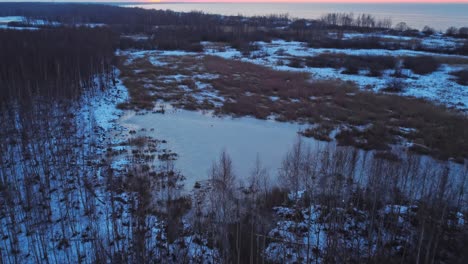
x=199, y=138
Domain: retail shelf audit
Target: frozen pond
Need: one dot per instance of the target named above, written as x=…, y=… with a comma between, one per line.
x=199, y=138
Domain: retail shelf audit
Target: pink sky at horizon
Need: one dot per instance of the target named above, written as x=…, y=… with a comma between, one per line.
x=314, y=1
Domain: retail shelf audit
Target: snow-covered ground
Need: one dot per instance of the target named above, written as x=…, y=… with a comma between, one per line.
x=65, y=225
x=33, y=24
x=291, y=238
x=296, y=48
x=439, y=86
x=103, y=105
x=7, y=19
x=434, y=41
x=17, y=28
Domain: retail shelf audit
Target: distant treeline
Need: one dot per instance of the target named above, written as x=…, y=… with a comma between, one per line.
x=53, y=62
x=171, y=30
x=348, y=20
x=129, y=19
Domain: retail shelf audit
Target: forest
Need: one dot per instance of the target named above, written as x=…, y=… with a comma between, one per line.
x=54, y=63
x=63, y=200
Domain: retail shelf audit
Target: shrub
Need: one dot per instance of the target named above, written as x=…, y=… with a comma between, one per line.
x=375, y=137
x=462, y=77
x=138, y=141
x=351, y=69
x=402, y=26
x=123, y=106
x=375, y=64
x=320, y=132
x=244, y=46
x=452, y=31
x=463, y=32
x=395, y=85
x=354, y=43
x=398, y=73
x=463, y=49
x=326, y=61
x=428, y=31
x=375, y=72
x=421, y=65
x=195, y=47
x=295, y=63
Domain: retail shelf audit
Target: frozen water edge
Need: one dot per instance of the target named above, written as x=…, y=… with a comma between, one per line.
x=198, y=138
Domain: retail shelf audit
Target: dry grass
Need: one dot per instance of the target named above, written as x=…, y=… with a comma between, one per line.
x=453, y=60
x=319, y=132
x=147, y=83
x=250, y=89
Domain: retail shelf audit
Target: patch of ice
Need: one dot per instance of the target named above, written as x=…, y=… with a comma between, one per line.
x=199, y=138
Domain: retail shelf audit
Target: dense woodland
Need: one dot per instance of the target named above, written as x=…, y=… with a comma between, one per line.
x=55, y=62
x=61, y=201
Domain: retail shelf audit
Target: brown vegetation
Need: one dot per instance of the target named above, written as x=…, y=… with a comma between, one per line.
x=320, y=132
x=461, y=77
x=250, y=89
x=421, y=65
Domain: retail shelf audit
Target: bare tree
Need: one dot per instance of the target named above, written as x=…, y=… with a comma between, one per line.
x=291, y=169
x=223, y=201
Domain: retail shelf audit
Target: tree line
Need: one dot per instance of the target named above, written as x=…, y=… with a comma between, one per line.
x=184, y=31
x=339, y=205
x=54, y=62
x=360, y=21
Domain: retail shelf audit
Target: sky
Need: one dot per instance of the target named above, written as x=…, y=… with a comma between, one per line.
x=323, y=1
x=256, y=1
